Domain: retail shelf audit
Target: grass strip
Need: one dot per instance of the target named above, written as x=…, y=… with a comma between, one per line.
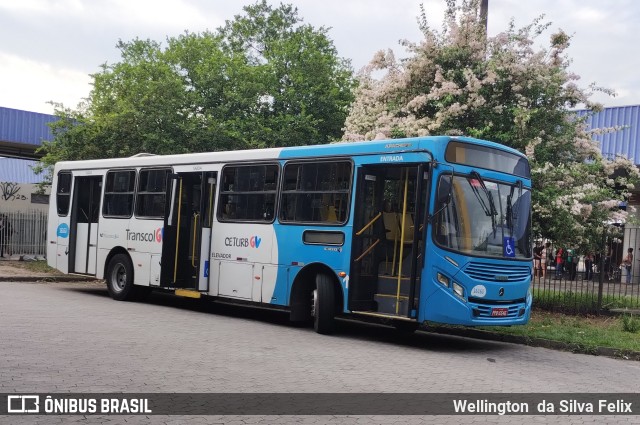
x=587, y=333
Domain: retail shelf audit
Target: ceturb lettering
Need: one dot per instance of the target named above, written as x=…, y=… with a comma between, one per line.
x=240, y=242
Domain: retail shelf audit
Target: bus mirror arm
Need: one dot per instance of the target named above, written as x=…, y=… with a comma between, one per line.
x=447, y=199
x=433, y=216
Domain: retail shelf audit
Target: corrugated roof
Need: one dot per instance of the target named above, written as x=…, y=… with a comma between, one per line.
x=18, y=171
x=624, y=141
x=24, y=127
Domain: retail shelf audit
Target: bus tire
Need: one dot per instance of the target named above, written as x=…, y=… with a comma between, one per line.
x=120, y=278
x=323, y=305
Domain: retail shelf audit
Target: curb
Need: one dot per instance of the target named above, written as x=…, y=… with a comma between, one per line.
x=35, y=279
x=537, y=342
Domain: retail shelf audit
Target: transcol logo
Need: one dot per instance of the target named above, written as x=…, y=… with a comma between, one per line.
x=146, y=236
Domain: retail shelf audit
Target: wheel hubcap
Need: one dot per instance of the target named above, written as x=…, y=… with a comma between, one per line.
x=119, y=278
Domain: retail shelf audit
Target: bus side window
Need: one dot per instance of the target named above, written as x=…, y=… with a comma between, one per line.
x=118, y=193
x=63, y=194
x=316, y=192
x=248, y=193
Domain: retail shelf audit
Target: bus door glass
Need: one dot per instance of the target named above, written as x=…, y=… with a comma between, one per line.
x=387, y=239
x=208, y=197
x=60, y=253
x=187, y=230
x=83, y=235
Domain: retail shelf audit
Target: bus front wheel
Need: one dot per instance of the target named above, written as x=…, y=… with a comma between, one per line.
x=323, y=305
x=120, y=278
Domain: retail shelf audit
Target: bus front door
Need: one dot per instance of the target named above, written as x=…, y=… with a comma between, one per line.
x=83, y=234
x=186, y=240
x=387, y=239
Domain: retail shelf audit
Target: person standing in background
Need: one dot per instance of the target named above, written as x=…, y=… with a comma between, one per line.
x=544, y=255
x=628, y=263
x=559, y=262
x=537, y=260
x=588, y=266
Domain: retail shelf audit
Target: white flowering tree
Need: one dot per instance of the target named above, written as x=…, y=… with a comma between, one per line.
x=457, y=81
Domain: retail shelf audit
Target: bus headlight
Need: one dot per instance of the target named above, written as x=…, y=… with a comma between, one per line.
x=444, y=280
x=458, y=290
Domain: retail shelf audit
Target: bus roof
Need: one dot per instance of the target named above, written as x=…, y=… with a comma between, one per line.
x=435, y=145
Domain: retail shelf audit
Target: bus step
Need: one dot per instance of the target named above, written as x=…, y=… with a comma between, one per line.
x=189, y=293
x=387, y=304
x=384, y=315
x=388, y=285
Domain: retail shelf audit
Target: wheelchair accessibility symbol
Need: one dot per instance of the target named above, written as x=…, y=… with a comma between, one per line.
x=508, y=247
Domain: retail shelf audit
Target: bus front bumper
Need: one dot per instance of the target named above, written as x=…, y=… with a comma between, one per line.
x=443, y=307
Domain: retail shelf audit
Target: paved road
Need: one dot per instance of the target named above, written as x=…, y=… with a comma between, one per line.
x=71, y=337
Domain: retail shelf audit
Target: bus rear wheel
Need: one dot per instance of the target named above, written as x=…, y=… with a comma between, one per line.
x=323, y=305
x=120, y=278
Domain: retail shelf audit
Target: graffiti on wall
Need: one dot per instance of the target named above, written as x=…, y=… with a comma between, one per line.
x=11, y=192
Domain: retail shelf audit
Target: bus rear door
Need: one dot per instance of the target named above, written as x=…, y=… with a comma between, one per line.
x=186, y=240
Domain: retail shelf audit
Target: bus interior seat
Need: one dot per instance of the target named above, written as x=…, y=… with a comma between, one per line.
x=393, y=226
x=331, y=215
x=390, y=225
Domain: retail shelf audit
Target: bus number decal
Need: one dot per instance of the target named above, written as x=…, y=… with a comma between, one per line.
x=63, y=231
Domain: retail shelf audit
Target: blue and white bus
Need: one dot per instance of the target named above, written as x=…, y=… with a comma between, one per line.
x=408, y=230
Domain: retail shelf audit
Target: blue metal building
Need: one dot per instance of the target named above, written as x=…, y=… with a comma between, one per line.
x=625, y=141
x=17, y=170
x=21, y=133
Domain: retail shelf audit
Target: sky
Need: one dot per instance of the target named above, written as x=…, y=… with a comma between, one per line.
x=50, y=48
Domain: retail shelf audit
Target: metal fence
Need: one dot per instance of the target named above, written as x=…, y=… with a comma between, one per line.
x=23, y=233
x=607, y=279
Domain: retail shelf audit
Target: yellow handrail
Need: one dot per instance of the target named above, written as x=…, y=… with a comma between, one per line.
x=368, y=250
x=175, y=262
x=369, y=224
x=395, y=251
x=209, y=218
x=404, y=216
x=195, y=234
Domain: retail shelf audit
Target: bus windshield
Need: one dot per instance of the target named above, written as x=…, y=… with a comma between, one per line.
x=483, y=217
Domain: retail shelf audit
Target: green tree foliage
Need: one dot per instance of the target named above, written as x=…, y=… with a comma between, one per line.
x=459, y=82
x=265, y=79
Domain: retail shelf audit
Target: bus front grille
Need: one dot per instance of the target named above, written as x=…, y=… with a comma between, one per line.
x=497, y=273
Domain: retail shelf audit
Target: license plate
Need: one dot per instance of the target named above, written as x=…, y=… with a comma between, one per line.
x=499, y=312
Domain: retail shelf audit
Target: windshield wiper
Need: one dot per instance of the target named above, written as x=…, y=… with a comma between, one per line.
x=491, y=210
x=485, y=208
